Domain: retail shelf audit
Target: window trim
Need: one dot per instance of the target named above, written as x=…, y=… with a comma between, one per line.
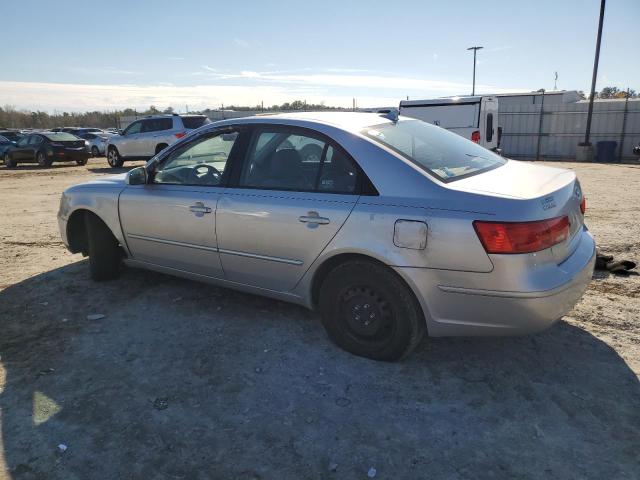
x=364, y=186
x=191, y=142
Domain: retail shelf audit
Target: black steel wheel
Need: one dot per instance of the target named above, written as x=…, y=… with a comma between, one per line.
x=368, y=310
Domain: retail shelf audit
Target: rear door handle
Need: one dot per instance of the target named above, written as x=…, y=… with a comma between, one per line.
x=313, y=219
x=199, y=208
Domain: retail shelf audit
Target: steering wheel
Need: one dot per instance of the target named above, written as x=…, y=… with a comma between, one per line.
x=203, y=173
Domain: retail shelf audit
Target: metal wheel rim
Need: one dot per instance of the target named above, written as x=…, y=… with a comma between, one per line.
x=378, y=322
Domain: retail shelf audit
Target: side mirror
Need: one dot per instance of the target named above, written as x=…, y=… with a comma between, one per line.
x=136, y=176
x=120, y=131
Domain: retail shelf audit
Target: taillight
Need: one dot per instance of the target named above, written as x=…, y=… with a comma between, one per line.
x=475, y=137
x=583, y=204
x=522, y=237
x=180, y=134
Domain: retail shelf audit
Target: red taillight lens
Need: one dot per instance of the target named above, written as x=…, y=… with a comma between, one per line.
x=583, y=205
x=475, y=137
x=522, y=237
x=180, y=135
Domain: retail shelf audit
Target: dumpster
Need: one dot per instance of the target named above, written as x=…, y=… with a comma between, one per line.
x=606, y=151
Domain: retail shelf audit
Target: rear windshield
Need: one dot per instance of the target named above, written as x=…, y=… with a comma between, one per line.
x=194, y=122
x=60, y=136
x=441, y=153
x=11, y=135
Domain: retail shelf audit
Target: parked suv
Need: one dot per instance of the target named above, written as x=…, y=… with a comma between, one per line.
x=144, y=138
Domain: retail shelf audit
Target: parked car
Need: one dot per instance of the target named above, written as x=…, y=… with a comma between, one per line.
x=474, y=118
x=46, y=147
x=636, y=150
x=8, y=138
x=398, y=229
x=144, y=138
x=97, y=142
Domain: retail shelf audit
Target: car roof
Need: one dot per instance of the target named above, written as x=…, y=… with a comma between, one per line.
x=350, y=121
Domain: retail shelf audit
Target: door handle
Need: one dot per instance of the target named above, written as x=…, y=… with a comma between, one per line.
x=199, y=208
x=313, y=219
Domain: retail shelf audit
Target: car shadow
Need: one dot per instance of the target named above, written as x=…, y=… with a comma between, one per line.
x=151, y=376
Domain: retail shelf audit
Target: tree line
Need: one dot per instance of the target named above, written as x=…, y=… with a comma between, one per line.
x=10, y=117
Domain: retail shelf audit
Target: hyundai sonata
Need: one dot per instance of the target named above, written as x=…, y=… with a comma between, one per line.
x=391, y=227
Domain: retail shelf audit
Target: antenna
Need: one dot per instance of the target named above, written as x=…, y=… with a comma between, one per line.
x=555, y=82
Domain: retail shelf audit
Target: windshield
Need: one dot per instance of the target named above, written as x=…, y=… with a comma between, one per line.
x=441, y=153
x=60, y=136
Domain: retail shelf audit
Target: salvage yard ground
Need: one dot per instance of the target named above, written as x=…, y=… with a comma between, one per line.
x=181, y=380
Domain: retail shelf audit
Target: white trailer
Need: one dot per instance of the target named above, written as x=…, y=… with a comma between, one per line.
x=474, y=118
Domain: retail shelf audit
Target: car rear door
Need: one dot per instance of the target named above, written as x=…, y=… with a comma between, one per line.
x=283, y=208
x=171, y=221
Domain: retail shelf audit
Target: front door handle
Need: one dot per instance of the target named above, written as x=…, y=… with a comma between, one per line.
x=199, y=208
x=313, y=219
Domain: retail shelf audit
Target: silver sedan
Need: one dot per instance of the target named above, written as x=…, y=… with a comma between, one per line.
x=392, y=228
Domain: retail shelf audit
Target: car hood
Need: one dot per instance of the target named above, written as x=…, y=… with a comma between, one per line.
x=111, y=181
x=516, y=180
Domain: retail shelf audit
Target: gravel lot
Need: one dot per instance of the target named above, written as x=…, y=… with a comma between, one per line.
x=181, y=380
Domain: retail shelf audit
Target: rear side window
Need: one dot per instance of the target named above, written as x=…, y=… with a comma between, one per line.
x=157, y=124
x=35, y=140
x=194, y=122
x=281, y=160
x=338, y=173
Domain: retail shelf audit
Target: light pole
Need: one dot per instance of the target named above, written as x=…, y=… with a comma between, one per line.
x=587, y=133
x=475, y=49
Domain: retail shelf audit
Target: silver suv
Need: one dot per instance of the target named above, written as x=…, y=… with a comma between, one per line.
x=144, y=138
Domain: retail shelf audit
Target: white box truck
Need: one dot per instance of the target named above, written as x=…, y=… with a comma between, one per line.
x=474, y=118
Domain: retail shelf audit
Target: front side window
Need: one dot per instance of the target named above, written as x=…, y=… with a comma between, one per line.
x=199, y=162
x=23, y=141
x=441, y=153
x=133, y=128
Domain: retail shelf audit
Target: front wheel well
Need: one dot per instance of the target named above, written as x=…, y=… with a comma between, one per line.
x=77, y=231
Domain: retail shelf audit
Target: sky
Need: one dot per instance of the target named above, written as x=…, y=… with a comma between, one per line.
x=82, y=55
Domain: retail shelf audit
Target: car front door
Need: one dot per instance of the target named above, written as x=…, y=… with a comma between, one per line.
x=128, y=146
x=284, y=207
x=20, y=152
x=171, y=222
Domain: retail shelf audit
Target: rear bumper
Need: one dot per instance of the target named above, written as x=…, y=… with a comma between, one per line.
x=455, y=303
x=69, y=155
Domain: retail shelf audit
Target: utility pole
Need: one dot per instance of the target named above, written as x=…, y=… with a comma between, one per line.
x=595, y=75
x=475, y=50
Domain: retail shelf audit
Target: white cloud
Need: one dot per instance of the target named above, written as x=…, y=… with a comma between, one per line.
x=83, y=97
x=81, y=70
x=357, y=81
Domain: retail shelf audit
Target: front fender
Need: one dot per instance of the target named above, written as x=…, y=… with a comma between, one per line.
x=103, y=202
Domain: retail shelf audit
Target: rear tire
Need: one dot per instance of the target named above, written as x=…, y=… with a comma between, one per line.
x=105, y=257
x=42, y=160
x=82, y=162
x=8, y=161
x=369, y=311
x=113, y=158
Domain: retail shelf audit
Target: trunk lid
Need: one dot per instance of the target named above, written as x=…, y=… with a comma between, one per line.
x=531, y=192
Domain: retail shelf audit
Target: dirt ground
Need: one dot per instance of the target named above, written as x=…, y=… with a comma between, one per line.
x=181, y=380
